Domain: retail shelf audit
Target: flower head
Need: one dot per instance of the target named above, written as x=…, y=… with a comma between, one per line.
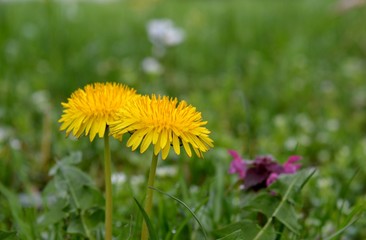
x=261, y=172
x=152, y=66
x=163, y=32
x=90, y=110
x=163, y=122
x=238, y=165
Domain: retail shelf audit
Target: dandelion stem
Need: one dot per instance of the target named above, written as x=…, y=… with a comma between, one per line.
x=108, y=187
x=149, y=196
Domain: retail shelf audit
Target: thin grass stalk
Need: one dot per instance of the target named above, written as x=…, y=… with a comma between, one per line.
x=149, y=196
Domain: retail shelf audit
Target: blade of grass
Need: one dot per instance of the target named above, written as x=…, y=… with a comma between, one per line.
x=184, y=205
x=7, y=235
x=152, y=232
x=180, y=228
x=23, y=227
x=340, y=231
x=343, y=193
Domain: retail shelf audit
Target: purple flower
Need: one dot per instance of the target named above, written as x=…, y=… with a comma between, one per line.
x=261, y=172
x=271, y=178
x=290, y=166
x=237, y=165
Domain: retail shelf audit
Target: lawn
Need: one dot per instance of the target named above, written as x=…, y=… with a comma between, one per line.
x=280, y=78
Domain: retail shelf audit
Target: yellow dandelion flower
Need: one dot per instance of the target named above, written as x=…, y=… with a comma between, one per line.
x=90, y=110
x=163, y=122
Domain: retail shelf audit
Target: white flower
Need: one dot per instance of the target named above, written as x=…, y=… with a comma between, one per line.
x=332, y=125
x=151, y=65
x=162, y=32
x=166, y=171
x=118, y=178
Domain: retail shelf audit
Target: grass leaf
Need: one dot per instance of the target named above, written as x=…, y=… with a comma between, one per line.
x=184, y=205
x=152, y=232
x=244, y=230
x=24, y=225
x=180, y=228
x=4, y=235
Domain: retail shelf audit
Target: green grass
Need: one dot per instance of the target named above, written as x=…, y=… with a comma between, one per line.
x=271, y=77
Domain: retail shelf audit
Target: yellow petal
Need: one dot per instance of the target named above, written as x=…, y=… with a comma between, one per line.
x=155, y=137
x=176, y=144
x=146, y=142
x=156, y=149
x=163, y=138
x=135, y=140
x=198, y=152
x=187, y=148
x=165, y=151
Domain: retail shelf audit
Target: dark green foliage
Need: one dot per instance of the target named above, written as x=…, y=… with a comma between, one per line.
x=274, y=205
x=72, y=201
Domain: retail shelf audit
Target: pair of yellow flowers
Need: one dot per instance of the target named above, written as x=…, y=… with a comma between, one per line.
x=161, y=121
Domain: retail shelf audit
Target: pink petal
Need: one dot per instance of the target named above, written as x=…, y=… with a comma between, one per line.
x=293, y=159
x=290, y=166
x=234, y=154
x=271, y=178
x=237, y=165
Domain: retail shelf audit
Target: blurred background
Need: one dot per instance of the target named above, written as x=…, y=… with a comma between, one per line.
x=270, y=77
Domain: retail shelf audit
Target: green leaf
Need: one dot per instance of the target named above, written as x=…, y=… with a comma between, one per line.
x=246, y=230
x=243, y=230
x=84, y=222
x=250, y=229
x=184, y=205
x=283, y=210
x=72, y=192
x=73, y=159
x=264, y=203
x=340, y=231
x=94, y=218
x=353, y=217
x=75, y=177
x=7, y=235
x=185, y=221
x=76, y=182
x=236, y=235
x=89, y=197
x=55, y=215
x=268, y=233
x=76, y=226
x=287, y=216
x=152, y=232
x=298, y=181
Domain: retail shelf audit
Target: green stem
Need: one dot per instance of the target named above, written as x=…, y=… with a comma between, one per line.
x=274, y=214
x=281, y=228
x=149, y=196
x=108, y=188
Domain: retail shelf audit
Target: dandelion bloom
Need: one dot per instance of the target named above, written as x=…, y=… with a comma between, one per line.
x=163, y=122
x=90, y=110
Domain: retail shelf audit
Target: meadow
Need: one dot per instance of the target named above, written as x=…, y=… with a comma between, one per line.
x=279, y=78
